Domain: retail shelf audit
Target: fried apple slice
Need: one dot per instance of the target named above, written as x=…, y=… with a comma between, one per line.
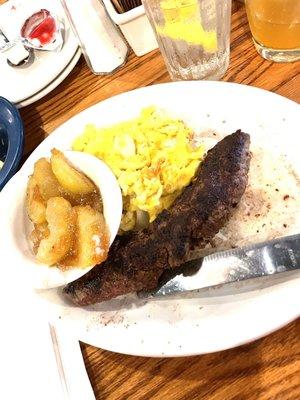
x=69, y=178
x=49, y=185
x=40, y=231
x=61, y=223
x=46, y=180
x=35, y=204
x=91, y=239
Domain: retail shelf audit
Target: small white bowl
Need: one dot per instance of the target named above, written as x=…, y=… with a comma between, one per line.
x=107, y=183
x=136, y=28
x=16, y=225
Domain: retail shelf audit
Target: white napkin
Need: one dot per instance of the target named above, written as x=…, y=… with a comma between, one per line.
x=27, y=357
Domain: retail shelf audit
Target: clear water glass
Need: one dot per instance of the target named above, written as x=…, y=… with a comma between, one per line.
x=193, y=36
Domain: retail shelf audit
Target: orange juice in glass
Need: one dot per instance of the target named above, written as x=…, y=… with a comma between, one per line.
x=275, y=27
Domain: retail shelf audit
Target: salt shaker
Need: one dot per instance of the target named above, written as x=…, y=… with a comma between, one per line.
x=103, y=47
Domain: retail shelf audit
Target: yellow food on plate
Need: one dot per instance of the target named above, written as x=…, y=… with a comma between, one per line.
x=49, y=186
x=61, y=221
x=46, y=180
x=40, y=231
x=35, y=203
x=70, y=178
x=91, y=239
x=152, y=156
x=65, y=208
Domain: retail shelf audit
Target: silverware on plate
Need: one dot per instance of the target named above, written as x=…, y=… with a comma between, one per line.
x=259, y=260
x=17, y=55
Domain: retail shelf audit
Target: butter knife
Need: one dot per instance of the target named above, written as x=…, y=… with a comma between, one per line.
x=259, y=260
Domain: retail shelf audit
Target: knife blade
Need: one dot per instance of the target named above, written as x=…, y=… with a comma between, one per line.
x=235, y=265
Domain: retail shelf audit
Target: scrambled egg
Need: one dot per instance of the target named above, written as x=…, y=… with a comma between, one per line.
x=152, y=157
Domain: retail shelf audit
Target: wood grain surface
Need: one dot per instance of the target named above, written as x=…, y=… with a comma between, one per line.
x=268, y=369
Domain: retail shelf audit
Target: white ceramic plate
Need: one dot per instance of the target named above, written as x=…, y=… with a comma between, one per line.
x=217, y=319
x=61, y=77
x=18, y=84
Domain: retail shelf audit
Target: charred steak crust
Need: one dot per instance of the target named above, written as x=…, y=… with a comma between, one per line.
x=136, y=261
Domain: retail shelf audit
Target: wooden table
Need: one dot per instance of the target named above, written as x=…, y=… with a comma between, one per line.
x=268, y=369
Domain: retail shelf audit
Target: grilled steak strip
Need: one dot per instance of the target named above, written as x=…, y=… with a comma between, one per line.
x=137, y=260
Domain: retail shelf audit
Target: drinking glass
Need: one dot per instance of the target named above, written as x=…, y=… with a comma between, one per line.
x=275, y=27
x=193, y=36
